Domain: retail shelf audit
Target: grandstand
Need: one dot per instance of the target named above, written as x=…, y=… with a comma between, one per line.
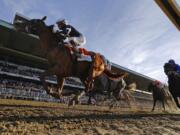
x=21, y=63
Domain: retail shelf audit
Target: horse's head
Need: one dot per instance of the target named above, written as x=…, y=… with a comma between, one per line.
x=35, y=26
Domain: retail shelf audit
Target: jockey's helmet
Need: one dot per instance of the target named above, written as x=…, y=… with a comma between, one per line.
x=157, y=82
x=62, y=21
x=171, y=61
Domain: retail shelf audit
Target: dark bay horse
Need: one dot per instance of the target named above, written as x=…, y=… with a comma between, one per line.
x=105, y=86
x=173, y=81
x=61, y=63
x=159, y=94
x=111, y=89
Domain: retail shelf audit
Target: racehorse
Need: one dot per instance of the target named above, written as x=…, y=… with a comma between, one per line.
x=159, y=94
x=61, y=62
x=173, y=81
x=113, y=89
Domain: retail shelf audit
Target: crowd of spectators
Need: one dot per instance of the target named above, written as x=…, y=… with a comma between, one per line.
x=15, y=88
x=13, y=85
x=19, y=69
x=20, y=85
x=9, y=67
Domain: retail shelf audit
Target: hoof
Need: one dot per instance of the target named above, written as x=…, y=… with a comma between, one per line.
x=71, y=103
x=110, y=107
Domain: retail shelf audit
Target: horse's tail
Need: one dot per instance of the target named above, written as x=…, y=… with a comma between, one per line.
x=114, y=76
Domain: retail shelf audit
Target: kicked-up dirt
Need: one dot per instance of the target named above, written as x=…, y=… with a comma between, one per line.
x=42, y=118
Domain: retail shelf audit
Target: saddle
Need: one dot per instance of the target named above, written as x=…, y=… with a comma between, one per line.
x=89, y=56
x=85, y=54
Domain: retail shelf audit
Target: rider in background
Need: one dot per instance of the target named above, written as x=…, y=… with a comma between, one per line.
x=73, y=37
x=176, y=66
x=158, y=84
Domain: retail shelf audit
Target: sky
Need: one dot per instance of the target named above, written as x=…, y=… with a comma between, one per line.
x=135, y=34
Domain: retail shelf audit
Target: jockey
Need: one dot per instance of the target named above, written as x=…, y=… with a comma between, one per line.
x=158, y=84
x=176, y=66
x=73, y=37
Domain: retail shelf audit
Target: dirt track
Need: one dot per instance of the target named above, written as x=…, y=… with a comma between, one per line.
x=82, y=120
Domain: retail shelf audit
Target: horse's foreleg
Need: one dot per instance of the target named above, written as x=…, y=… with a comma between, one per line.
x=49, y=72
x=60, y=83
x=154, y=104
x=176, y=101
x=42, y=78
x=80, y=95
x=91, y=95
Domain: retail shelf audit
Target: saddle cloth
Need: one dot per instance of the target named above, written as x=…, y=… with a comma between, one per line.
x=85, y=54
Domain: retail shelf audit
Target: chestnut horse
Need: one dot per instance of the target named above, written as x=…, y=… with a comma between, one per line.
x=61, y=62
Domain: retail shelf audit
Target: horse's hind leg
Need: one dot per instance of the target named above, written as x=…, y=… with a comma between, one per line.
x=163, y=105
x=176, y=101
x=128, y=97
x=172, y=103
x=169, y=105
x=154, y=104
x=90, y=97
x=89, y=100
x=111, y=105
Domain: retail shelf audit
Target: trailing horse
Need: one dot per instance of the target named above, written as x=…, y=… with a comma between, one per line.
x=173, y=81
x=112, y=89
x=61, y=62
x=159, y=94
